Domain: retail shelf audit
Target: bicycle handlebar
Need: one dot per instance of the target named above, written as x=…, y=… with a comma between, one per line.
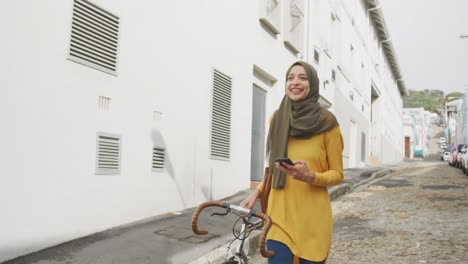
x=263, y=216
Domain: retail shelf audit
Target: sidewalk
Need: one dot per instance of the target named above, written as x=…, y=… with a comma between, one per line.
x=169, y=238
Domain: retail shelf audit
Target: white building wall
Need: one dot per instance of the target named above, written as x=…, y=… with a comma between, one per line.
x=49, y=110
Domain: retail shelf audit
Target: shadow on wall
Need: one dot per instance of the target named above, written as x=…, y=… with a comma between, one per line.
x=158, y=142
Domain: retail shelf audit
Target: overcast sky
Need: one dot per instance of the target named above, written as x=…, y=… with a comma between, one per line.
x=426, y=38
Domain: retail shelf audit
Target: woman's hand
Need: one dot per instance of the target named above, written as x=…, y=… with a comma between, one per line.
x=249, y=202
x=299, y=171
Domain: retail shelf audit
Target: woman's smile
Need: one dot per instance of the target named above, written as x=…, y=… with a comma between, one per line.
x=297, y=84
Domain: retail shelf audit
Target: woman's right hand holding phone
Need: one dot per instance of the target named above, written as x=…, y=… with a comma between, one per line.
x=299, y=171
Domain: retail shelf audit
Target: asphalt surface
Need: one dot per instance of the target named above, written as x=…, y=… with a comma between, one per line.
x=169, y=238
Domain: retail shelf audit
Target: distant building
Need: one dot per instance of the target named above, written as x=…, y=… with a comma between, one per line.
x=459, y=114
x=454, y=121
x=417, y=128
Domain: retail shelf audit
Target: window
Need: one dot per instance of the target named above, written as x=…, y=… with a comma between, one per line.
x=316, y=56
x=94, y=37
x=108, y=154
x=294, y=22
x=270, y=15
x=220, y=140
x=158, y=159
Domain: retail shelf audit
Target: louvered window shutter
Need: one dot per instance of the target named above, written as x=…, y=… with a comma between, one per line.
x=108, y=154
x=158, y=159
x=270, y=14
x=295, y=24
x=221, y=117
x=94, y=37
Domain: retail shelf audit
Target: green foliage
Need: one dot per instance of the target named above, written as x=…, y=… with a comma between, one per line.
x=430, y=100
x=453, y=96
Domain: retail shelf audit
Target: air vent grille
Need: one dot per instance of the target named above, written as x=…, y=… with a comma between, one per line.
x=108, y=154
x=158, y=158
x=94, y=37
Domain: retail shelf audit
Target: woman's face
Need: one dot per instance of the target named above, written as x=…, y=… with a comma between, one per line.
x=297, y=85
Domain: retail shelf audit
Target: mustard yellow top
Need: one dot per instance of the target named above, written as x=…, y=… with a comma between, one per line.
x=301, y=212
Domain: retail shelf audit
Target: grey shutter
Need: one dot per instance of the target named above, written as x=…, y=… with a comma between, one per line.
x=220, y=141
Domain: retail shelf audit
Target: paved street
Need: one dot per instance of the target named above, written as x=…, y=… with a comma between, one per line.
x=417, y=215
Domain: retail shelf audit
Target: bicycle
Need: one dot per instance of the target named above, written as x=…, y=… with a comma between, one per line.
x=245, y=215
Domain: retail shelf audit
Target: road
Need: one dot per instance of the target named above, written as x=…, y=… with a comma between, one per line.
x=418, y=215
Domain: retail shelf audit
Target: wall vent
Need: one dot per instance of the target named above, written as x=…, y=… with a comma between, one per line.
x=94, y=37
x=157, y=116
x=220, y=141
x=103, y=102
x=108, y=154
x=158, y=159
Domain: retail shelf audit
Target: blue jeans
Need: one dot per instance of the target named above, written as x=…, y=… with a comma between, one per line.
x=284, y=254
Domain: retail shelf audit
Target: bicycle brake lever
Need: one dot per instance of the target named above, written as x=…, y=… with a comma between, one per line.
x=222, y=214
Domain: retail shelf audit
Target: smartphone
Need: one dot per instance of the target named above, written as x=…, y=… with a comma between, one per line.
x=285, y=160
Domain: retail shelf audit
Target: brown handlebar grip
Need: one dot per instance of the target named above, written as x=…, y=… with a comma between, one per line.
x=197, y=213
x=265, y=229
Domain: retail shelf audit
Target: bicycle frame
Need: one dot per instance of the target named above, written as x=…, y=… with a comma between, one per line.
x=238, y=254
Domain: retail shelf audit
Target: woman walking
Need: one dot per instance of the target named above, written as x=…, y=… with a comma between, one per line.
x=298, y=203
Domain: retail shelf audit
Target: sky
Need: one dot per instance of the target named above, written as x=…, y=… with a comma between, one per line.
x=426, y=38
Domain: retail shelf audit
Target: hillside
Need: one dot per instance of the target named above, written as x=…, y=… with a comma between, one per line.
x=430, y=100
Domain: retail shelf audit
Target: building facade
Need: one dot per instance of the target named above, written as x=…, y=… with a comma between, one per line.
x=418, y=131
x=115, y=111
x=454, y=118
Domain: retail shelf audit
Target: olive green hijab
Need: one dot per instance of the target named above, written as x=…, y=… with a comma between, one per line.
x=300, y=119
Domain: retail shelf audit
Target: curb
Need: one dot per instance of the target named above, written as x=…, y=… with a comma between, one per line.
x=217, y=255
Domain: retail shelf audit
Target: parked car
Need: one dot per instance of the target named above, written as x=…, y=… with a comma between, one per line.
x=446, y=155
x=442, y=153
x=461, y=158
x=456, y=157
x=464, y=159
x=450, y=159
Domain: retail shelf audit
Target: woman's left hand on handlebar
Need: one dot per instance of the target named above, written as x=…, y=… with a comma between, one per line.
x=249, y=202
x=299, y=171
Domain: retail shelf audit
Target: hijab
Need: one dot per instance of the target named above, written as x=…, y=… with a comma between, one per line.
x=298, y=119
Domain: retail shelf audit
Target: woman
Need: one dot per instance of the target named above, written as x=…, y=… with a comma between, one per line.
x=298, y=203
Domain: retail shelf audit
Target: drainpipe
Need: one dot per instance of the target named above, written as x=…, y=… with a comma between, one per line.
x=372, y=9
x=368, y=11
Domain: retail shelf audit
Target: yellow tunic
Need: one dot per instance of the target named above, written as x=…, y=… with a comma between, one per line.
x=301, y=212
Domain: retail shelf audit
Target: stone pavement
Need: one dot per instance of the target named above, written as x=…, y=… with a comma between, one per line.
x=169, y=238
x=418, y=215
